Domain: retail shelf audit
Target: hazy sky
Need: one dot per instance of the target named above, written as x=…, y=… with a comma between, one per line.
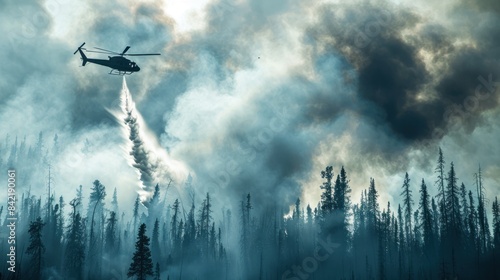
x=259, y=96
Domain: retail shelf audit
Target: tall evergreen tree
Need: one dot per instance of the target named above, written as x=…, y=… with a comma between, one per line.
x=60, y=221
x=441, y=192
x=114, y=202
x=246, y=206
x=297, y=215
x=157, y=272
x=212, y=242
x=174, y=223
x=484, y=234
x=408, y=207
x=337, y=199
x=454, y=221
x=96, y=205
x=205, y=220
x=327, y=195
x=36, y=247
x=110, y=239
x=472, y=225
x=402, y=243
x=97, y=221
x=344, y=201
x=427, y=219
x=464, y=210
x=141, y=265
x=155, y=241
x=496, y=225
x=74, y=260
x=373, y=206
x=189, y=229
x=309, y=215
x=435, y=218
x=342, y=205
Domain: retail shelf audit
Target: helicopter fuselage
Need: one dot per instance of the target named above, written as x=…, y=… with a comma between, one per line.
x=117, y=63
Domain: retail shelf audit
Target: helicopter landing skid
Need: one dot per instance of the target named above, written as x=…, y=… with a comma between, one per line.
x=119, y=73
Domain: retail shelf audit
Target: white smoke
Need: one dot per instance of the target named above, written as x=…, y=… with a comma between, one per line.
x=152, y=163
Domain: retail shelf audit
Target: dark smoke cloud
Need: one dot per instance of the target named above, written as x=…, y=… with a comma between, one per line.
x=416, y=104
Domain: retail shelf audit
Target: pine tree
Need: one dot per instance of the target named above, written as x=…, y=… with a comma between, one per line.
x=212, y=247
x=496, y=225
x=248, y=207
x=408, y=208
x=174, y=221
x=454, y=225
x=205, y=220
x=114, y=202
x=60, y=220
x=190, y=229
x=184, y=239
x=141, y=265
x=465, y=209
x=342, y=205
x=36, y=247
x=472, y=224
x=157, y=272
x=417, y=235
x=244, y=233
x=297, y=215
x=96, y=204
x=484, y=233
x=338, y=197
x=345, y=199
x=435, y=219
x=402, y=242
x=97, y=221
x=155, y=241
x=441, y=193
x=111, y=233
x=309, y=214
x=373, y=206
x=382, y=245
x=75, y=247
x=327, y=195
x=426, y=217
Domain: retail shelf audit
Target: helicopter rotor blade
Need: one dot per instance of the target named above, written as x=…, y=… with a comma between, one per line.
x=97, y=51
x=106, y=50
x=125, y=50
x=142, y=54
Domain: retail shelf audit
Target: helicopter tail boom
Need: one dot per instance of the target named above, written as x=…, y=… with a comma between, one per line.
x=84, y=57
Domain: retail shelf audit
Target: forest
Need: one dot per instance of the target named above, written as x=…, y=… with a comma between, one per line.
x=69, y=236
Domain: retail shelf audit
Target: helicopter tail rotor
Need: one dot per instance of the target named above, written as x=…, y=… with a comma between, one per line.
x=79, y=48
x=84, y=57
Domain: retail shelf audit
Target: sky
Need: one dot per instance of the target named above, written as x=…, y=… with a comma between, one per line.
x=257, y=96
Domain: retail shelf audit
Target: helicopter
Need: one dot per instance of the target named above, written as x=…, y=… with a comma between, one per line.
x=119, y=65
